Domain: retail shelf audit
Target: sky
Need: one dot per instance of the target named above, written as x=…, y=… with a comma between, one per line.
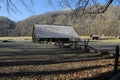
x=36, y=8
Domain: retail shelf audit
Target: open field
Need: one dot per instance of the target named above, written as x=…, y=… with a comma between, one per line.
x=16, y=38
x=24, y=60
x=30, y=38
x=106, y=37
x=108, y=45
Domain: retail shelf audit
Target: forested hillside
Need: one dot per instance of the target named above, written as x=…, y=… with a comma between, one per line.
x=107, y=23
x=6, y=26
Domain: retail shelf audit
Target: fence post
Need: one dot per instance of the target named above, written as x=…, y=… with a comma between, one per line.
x=116, y=60
x=86, y=45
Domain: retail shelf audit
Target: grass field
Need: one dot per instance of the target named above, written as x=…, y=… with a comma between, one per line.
x=23, y=60
x=30, y=38
x=16, y=38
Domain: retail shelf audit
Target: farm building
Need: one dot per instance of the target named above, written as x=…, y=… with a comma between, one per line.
x=94, y=36
x=117, y=37
x=54, y=33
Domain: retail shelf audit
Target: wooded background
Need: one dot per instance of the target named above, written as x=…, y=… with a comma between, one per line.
x=107, y=23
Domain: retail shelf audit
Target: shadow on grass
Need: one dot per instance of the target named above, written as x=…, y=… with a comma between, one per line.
x=51, y=61
x=46, y=51
x=55, y=72
x=67, y=59
x=102, y=76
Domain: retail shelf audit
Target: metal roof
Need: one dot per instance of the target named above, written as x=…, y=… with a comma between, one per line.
x=54, y=31
x=95, y=35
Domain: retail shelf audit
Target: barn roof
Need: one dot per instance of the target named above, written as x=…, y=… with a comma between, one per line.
x=54, y=31
x=95, y=35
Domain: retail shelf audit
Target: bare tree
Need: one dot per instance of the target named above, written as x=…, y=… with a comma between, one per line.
x=10, y=6
x=100, y=6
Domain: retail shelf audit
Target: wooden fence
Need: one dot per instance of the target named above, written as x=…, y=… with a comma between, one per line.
x=116, y=63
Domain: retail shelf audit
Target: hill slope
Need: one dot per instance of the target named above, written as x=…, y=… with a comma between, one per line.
x=6, y=26
x=107, y=23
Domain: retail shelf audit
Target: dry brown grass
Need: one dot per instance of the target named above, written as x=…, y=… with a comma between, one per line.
x=16, y=38
x=30, y=61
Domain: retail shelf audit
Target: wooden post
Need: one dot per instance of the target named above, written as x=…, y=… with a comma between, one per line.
x=116, y=60
x=33, y=34
x=86, y=45
x=87, y=42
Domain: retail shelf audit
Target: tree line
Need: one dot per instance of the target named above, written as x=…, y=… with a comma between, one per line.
x=105, y=23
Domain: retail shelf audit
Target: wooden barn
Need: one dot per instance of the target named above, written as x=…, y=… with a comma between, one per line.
x=54, y=33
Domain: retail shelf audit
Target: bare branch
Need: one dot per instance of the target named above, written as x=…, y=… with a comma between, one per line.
x=79, y=6
x=12, y=7
x=25, y=5
x=102, y=9
x=86, y=6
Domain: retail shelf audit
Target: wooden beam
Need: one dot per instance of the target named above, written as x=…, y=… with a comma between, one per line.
x=33, y=33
